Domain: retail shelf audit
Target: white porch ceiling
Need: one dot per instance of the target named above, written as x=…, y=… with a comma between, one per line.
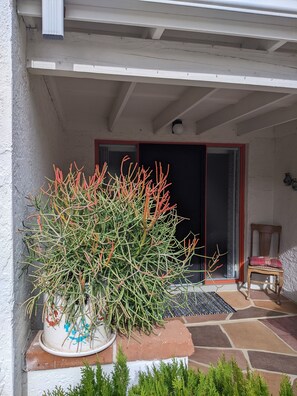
x=159, y=62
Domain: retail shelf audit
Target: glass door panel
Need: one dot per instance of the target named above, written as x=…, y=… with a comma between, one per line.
x=222, y=214
x=113, y=155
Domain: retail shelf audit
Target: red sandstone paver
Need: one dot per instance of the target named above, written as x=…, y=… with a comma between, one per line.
x=210, y=336
x=236, y=299
x=264, y=295
x=267, y=295
x=286, y=306
x=211, y=356
x=205, y=318
x=172, y=340
x=273, y=362
x=285, y=328
x=254, y=335
x=254, y=312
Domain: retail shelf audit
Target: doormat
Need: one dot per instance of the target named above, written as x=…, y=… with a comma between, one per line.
x=199, y=303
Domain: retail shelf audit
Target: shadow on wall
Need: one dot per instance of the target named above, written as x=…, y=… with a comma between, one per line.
x=289, y=260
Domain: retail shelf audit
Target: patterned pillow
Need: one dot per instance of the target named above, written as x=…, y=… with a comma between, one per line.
x=265, y=261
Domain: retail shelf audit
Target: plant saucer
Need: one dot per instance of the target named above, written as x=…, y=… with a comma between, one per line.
x=57, y=352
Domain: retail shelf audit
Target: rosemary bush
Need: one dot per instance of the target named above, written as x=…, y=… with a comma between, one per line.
x=109, y=243
x=96, y=383
x=224, y=379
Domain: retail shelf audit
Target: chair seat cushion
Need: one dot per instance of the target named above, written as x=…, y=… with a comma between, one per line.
x=265, y=261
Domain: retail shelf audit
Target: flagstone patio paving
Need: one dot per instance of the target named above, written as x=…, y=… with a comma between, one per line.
x=261, y=335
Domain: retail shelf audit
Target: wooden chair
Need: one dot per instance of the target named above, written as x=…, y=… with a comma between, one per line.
x=263, y=263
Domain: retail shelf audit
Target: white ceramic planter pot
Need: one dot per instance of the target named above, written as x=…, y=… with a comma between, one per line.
x=62, y=338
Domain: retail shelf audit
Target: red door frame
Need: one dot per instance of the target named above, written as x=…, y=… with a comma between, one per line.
x=242, y=149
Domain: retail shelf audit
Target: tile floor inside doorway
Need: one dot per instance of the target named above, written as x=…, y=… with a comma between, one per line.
x=261, y=335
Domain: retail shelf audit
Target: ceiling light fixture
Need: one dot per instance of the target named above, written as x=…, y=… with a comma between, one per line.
x=177, y=127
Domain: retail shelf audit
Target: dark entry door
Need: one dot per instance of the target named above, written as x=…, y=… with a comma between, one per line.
x=187, y=175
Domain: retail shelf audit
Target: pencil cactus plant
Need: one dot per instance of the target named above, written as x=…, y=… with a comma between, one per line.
x=108, y=242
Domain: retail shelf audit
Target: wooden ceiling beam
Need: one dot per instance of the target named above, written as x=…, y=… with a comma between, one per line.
x=191, y=98
x=267, y=120
x=246, y=106
x=120, y=103
x=135, y=59
x=275, y=45
x=155, y=33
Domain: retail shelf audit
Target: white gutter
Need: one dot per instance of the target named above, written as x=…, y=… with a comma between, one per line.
x=280, y=8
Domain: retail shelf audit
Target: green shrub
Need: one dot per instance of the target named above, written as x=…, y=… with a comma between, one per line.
x=286, y=388
x=256, y=385
x=96, y=383
x=224, y=379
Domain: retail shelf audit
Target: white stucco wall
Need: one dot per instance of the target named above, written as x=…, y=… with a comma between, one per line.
x=31, y=141
x=6, y=221
x=46, y=380
x=285, y=207
x=260, y=180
